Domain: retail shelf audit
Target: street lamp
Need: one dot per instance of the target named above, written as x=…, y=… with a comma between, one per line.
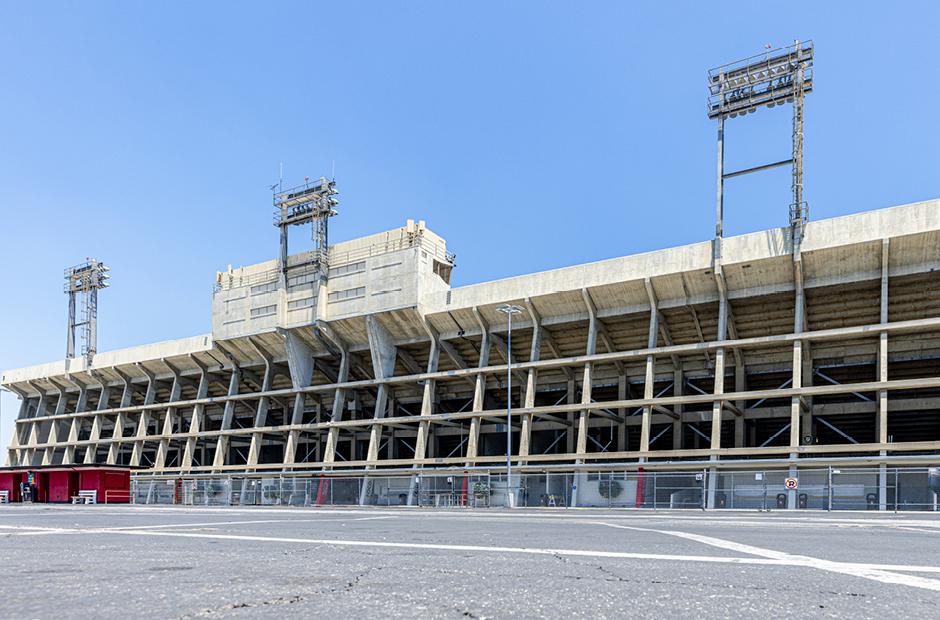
x=509, y=310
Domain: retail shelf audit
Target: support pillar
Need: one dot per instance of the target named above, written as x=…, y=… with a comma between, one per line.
x=525, y=435
x=882, y=416
x=68, y=458
x=261, y=411
x=583, y=416
x=383, y=353
x=740, y=385
x=169, y=420
x=650, y=377
x=228, y=414
x=796, y=402
x=427, y=409
x=117, y=434
x=301, y=363
x=718, y=389
x=143, y=422
x=678, y=389
x=479, y=389
x=91, y=450
x=195, y=424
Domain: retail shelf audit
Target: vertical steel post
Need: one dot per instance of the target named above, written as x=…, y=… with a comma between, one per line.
x=70, y=342
x=704, y=488
x=829, y=486
x=896, y=488
x=654, y=490
x=509, y=501
x=720, y=198
x=763, y=477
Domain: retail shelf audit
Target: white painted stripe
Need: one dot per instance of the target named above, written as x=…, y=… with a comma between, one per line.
x=778, y=519
x=445, y=547
x=876, y=572
x=844, y=568
x=251, y=522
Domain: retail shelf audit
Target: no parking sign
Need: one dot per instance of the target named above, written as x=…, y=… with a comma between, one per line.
x=791, y=484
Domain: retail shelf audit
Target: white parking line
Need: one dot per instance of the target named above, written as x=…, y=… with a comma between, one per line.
x=34, y=530
x=743, y=519
x=252, y=522
x=845, y=568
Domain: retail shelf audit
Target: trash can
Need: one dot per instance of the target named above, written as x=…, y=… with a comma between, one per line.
x=781, y=500
x=803, y=500
x=871, y=501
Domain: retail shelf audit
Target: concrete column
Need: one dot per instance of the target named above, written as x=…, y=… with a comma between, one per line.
x=32, y=430
x=882, y=416
x=261, y=411
x=119, y=422
x=740, y=385
x=228, y=414
x=301, y=362
x=169, y=420
x=339, y=404
x=52, y=437
x=427, y=406
x=623, y=389
x=650, y=375
x=796, y=402
x=428, y=397
x=81, y=406
x=535, y=351
x=718, y=388
x=13, y=456
x=479, y=390
x=143, y=422
x=384, y=353
x=570, y=397
x=92, y=447
x=678, y=389
x=586, y=385
x=195, y=424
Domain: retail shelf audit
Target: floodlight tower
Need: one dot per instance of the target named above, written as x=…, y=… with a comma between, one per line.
x=83, y=281
x=779, y=76
x=299, y=205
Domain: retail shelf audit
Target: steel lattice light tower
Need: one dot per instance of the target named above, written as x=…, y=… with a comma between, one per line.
x=83, y=281
x=776, y=77
x=302, y=204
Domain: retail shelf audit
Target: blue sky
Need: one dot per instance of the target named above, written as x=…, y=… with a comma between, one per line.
x=529, y=135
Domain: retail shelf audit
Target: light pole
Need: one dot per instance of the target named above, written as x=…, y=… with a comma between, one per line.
x=509, y=310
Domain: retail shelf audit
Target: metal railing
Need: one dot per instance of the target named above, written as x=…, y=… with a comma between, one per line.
x=886, y=489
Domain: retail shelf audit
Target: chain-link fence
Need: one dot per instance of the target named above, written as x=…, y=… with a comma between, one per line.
x=892, y=489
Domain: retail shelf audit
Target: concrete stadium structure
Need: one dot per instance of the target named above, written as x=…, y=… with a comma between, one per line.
x=828, y=354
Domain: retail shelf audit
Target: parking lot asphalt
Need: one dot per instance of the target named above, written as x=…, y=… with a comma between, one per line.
x=176, y=562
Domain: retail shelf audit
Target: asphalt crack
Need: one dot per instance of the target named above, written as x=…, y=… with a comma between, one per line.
x=243, y=605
